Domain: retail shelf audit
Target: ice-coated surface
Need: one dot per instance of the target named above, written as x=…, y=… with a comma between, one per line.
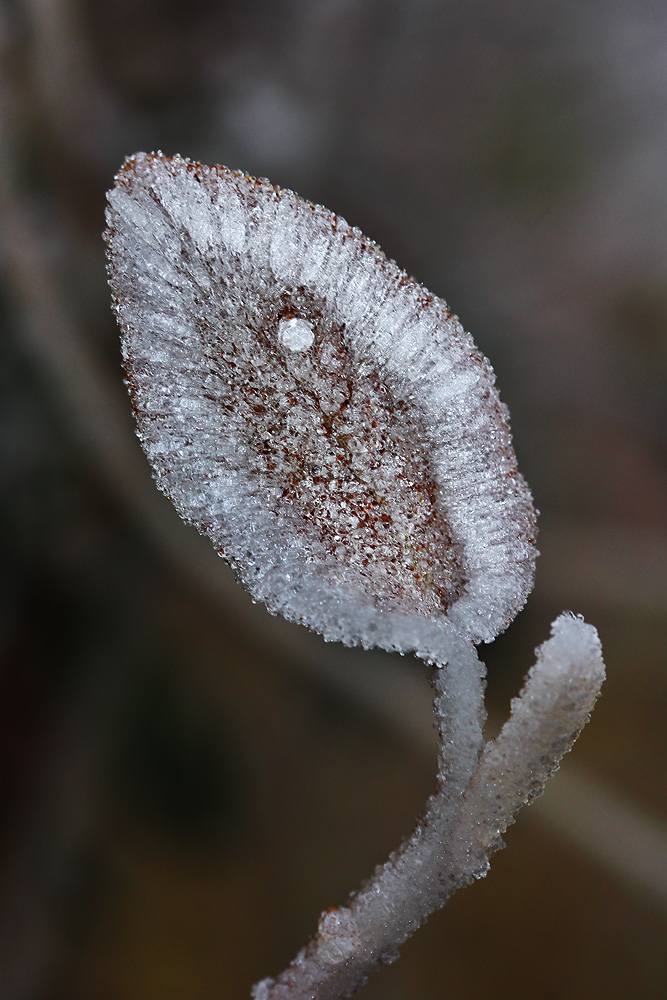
x=321, y=416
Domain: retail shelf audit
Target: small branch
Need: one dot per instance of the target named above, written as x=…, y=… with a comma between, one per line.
x=352, y=941
x=476, y=800
x=545, y=720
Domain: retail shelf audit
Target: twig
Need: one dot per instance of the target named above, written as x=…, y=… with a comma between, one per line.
x=451, y=845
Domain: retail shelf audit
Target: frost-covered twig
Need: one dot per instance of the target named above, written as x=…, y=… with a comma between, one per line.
x=331, y=427
x=454, y=840
x=545, y=720
x=353, y=940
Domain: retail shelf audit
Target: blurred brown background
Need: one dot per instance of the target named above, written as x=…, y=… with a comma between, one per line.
x=186, y=781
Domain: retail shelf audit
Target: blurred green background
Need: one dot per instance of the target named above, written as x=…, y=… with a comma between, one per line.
x=188, y=782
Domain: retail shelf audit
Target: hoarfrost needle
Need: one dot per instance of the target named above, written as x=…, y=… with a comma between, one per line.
x=328, y=423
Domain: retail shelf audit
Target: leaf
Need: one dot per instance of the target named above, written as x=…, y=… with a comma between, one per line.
x=320, y=415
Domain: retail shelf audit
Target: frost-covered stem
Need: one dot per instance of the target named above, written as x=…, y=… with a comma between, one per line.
x=353, y=940
x=545, y=720
x=476, y=800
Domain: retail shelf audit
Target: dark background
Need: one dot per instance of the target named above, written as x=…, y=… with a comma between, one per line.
x=186, y=782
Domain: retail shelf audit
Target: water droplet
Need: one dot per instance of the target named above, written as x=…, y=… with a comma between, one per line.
x=295, y=334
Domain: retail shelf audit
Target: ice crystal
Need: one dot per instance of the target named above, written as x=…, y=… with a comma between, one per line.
x=295, y=334
x=332, y=428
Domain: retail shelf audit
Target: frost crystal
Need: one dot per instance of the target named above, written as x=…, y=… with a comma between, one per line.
x=295, y=334
x=330, y=426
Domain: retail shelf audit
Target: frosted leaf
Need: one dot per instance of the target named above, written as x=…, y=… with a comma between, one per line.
x=317, y=413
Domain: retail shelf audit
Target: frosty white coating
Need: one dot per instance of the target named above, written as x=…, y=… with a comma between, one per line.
x=295, y=334
x=363, y=484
